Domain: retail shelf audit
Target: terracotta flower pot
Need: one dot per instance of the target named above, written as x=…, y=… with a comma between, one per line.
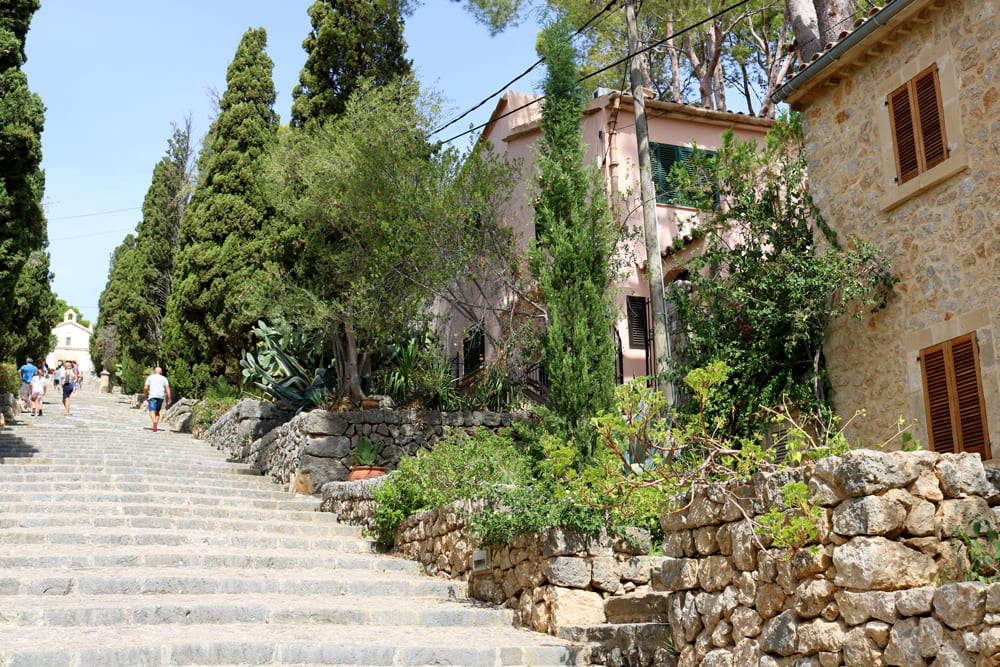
x=369, y=403
x=365, y=472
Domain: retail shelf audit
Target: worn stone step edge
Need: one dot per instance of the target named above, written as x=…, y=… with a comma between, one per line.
x=235, y=644
x=147, y=537
x=160, y=506
x=212, y=581
x=103, y=610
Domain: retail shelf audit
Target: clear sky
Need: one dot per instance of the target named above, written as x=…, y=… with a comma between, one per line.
x=114, y=74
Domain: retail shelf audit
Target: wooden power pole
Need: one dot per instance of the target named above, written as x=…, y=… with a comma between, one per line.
x=647, y=191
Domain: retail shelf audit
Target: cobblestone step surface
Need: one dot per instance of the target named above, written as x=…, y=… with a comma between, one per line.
x=124, y=547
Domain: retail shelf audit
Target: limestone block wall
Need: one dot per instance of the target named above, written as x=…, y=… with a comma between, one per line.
x=554, y=580
x=316, y=447
x=943, y=242
x=882, y=588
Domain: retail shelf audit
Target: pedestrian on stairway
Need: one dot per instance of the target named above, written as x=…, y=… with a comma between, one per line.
x=38, y=385
x=27, y=371
x=156, y=389
x=69, y=376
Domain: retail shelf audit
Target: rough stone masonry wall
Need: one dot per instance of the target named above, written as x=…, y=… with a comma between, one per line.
x=316, y=447
x=944, y=244
x=883, y=588
x=554, y=580
x=878, y=591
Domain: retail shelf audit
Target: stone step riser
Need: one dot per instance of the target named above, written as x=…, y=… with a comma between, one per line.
x=244, y=528
x=174, y=539
x=161, y=516
x=297, y=561
x=101, y=614
x=222, y=585
x=299, y=653
x=205, y=506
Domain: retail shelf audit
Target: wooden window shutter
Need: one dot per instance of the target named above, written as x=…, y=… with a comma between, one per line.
x=953, y=396
x=638, y=327
x=927, y=91
x=916, y=120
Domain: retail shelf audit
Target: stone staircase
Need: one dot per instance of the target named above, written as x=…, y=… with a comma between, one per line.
x=121, y=547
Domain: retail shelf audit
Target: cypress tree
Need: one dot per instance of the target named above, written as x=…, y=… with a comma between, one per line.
x=225, y=250
x=22, y=222
x=33, y=311
x=351, y=40
x=141, y=276
x=575, y=244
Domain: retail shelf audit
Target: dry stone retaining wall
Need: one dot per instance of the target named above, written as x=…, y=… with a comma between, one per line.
x=882, y=587
x=316, y=447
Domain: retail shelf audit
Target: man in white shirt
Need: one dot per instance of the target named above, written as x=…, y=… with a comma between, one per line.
x=156, y=389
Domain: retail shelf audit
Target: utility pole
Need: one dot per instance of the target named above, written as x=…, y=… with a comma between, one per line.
x=647, y=191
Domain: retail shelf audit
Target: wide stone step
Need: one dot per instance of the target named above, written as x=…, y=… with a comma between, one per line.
x=286, y=645
x=212, y=581
x=140, y=536
x=68, y=556
x=114, y=467
x=103, y=610
x=161, y=505
x=15, y=489
x=189, y=522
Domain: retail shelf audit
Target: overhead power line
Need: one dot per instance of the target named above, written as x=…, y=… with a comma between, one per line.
x=523, y=74
x=583, y=78
x=90, y=215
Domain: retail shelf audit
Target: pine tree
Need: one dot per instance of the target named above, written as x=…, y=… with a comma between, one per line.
x=574, y=247
x=225, y=248
x=350, y=40
x=22, y=222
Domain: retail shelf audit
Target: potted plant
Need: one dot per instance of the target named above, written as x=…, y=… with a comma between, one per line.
x=364, y=458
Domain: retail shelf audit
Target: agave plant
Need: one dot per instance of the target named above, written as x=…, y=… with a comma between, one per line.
x=276, y=371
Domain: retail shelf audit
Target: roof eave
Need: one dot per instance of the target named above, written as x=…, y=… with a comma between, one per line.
x=798, y=85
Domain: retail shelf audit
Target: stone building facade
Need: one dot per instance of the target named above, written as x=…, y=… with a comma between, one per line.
x=912, y=68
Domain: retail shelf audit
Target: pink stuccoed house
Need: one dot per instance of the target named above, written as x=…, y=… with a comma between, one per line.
x=608, y=127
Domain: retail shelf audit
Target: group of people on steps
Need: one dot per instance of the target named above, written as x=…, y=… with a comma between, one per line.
x=34, y=375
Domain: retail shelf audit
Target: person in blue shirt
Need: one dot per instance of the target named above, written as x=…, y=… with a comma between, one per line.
x=27, y=371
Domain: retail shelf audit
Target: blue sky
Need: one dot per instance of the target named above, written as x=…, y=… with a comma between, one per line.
x=114, y=74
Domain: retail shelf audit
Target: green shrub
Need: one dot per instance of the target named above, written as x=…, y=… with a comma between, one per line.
x=10, y=381
x=459, y=467
x=220, y=397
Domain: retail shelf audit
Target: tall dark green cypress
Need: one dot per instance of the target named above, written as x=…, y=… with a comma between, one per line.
x=135, y=298
x=574, y=249
x=350, y=40
x=22, y=221
x=225, y=249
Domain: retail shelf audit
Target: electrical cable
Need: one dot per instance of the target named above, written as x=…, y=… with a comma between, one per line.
x=90, y=215
x=526, y=72
x=583, y=78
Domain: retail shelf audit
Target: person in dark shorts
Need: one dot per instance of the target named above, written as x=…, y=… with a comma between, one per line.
x=156, y=389
x=69, y=375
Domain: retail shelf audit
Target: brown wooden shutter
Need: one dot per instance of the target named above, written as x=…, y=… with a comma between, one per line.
x=927, y=91
x=638, y=327
x=916, y=119
x=904, y=136
x=953, y=395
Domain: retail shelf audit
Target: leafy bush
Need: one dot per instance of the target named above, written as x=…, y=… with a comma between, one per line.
x=10, y=381
x=220, y=397
x=414, y=372
x=982, y=547
x=459, y=467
